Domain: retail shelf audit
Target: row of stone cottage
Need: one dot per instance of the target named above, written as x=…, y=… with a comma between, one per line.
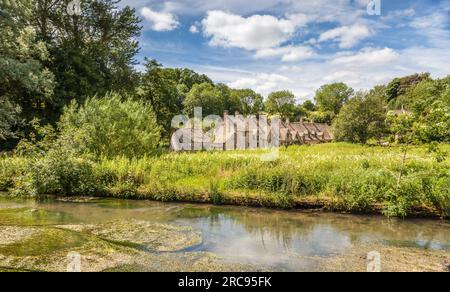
x=249, y=133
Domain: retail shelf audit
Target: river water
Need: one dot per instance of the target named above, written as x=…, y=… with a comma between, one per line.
x=259, y=238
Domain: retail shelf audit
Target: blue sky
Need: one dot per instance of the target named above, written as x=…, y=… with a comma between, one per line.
x=297, y=45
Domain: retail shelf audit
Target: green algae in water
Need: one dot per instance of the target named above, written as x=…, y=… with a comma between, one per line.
x=14, y=270
x=12, y=234
x=46, y=241
x=144, y=235
x=31, y=217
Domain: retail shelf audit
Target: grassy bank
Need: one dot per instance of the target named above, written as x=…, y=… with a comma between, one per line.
x=336, y=177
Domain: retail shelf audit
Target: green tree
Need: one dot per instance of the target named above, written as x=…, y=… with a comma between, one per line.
x=159, y=87
x=229, y=102
x=321, y=117
x=110, y=127
x=26, y=85
x=250, y=102
x=400, y=86
x=92, y=53
x=363, y=117
x=429, y=101
x=331, y=97
x=188, y=77
x=309, y=106
x=9, y=119
x=207, y=96
x=282, y=103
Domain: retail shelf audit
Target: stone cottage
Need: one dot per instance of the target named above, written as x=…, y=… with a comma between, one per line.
x=239, y=133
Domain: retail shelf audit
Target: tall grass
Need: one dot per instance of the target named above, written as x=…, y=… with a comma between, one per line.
x=339, y=177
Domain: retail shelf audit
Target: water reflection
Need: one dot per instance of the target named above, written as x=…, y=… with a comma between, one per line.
x=279, y=239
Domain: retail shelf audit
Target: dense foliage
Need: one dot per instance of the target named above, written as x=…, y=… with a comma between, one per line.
x=282, y=103
x=363, y=117
x=110, y=127
x=9, y=118
x=340, y=177
x=26, y=86
x=91, y=53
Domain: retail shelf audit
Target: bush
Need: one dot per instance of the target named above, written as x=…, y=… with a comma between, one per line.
x=58, y=173
x=110, y=127
x=11, y=168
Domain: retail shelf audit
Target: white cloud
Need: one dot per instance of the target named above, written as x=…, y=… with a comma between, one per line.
x=434, y=27
x=252, y=33
x=194, y=29
x=435, y=21
x=292, y=37
x=160, y=21
x=262, y=83
x=287, y=54
x=362, y=70
x=368, y=56
x=348, y=36
x=263, y=34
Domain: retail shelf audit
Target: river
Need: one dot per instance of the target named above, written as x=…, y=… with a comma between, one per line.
x=116, y=235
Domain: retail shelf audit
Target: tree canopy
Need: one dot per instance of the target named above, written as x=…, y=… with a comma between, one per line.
x=91, y=53
x=363, y=117
x=331, y=97
x=110, y=126
x=282, y=103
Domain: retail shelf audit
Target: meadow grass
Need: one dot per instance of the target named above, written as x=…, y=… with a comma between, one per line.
x=336, y=177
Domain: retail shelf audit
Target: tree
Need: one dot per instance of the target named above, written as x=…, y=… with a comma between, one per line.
x=158, y=86
x=207, y=96
x=309, y=106
x=230, y=103
x=9, y=118
x=188, y=77
x=282, y=103
x=26, y=86
x=110, y=127
x=250, y=102
x=92, y=53
x=331, y=97
x=400, y=86
x=321, y=117
x=429, y=101
x=363, y=117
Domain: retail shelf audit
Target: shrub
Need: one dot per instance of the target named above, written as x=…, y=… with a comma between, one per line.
x=110, y=127
x=11, y=168
x=59, y=173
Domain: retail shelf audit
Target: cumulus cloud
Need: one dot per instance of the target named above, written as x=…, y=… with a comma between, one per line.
x=262, y=83
x=194, y=29
x=251, y=33
x=311, y=35
x=160, y=21
x=368, y=56
x=287, y=54
x=263, y=34
x=347, y=36
x=362, y=70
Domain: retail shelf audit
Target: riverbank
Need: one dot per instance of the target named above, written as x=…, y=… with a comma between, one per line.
x=132, y=235
x=331, y=177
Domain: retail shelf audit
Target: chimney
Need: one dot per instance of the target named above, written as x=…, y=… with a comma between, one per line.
x=225, y=129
